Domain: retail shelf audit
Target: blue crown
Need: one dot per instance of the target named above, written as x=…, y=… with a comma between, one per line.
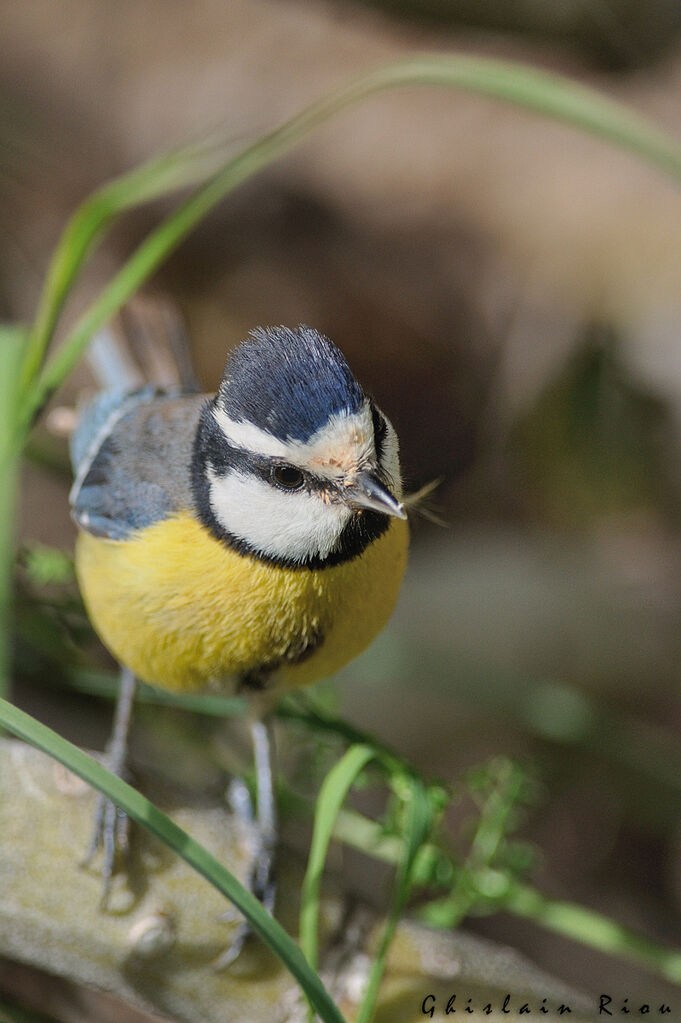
x=288, y=381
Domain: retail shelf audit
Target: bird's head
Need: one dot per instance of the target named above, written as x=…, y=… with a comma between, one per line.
x=293, y=463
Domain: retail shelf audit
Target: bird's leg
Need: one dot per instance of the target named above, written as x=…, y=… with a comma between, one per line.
x=262, y=881
x=111, y=830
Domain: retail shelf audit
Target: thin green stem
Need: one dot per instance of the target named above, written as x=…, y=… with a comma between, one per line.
x=160, y=175
x=99, y=683
x=12, y=342
x=578, y=923
x=593, y=929
x=490, y=832
x=534, y=90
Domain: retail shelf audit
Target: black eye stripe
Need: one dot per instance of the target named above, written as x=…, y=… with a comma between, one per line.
x=224, y=457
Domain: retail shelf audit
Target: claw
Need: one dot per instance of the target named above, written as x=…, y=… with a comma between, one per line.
x=111, y=834
x=233, y=951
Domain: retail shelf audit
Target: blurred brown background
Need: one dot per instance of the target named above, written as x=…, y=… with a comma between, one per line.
x=510, y=290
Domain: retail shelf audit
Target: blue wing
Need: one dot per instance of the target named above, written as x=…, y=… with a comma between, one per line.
x=96, y=417
x=131, y=455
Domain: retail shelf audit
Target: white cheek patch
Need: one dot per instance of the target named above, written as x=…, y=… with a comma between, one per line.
x=295, y=525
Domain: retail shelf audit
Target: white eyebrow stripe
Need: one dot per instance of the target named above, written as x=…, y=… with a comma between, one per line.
x=242, y=434
x=345, y=441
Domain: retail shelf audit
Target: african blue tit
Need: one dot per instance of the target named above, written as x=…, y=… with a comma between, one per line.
x=252, y=541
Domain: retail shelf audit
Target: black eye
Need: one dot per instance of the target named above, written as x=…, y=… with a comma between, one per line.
x=288, y=477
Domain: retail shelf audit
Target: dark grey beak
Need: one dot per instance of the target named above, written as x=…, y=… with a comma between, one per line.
x=367, y=492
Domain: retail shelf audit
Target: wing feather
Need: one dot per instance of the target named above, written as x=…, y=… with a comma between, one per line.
x=131, y=454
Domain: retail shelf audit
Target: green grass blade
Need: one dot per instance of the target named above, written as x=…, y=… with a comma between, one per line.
x=13, y=344
x=12, y=348
x=332, y=795
x=159, y=176
x=149, y=816
x=9, y=475
x=538, y=91
x=417, y=830
x=298, y=707
x=590, y=928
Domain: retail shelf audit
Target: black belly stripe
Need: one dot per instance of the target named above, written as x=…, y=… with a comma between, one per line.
x=256, y=680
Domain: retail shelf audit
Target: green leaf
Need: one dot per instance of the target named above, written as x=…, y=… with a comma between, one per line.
x=332, y=795
x=149, y=816
x=534, y=90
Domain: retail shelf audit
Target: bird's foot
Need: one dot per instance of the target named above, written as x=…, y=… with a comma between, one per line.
x=111, y=834
x=261, y=879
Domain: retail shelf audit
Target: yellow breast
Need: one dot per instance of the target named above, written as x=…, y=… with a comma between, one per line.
x=184, y=611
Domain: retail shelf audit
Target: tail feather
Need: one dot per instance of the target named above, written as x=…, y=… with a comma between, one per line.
x=146, y=344
x=144, y=351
